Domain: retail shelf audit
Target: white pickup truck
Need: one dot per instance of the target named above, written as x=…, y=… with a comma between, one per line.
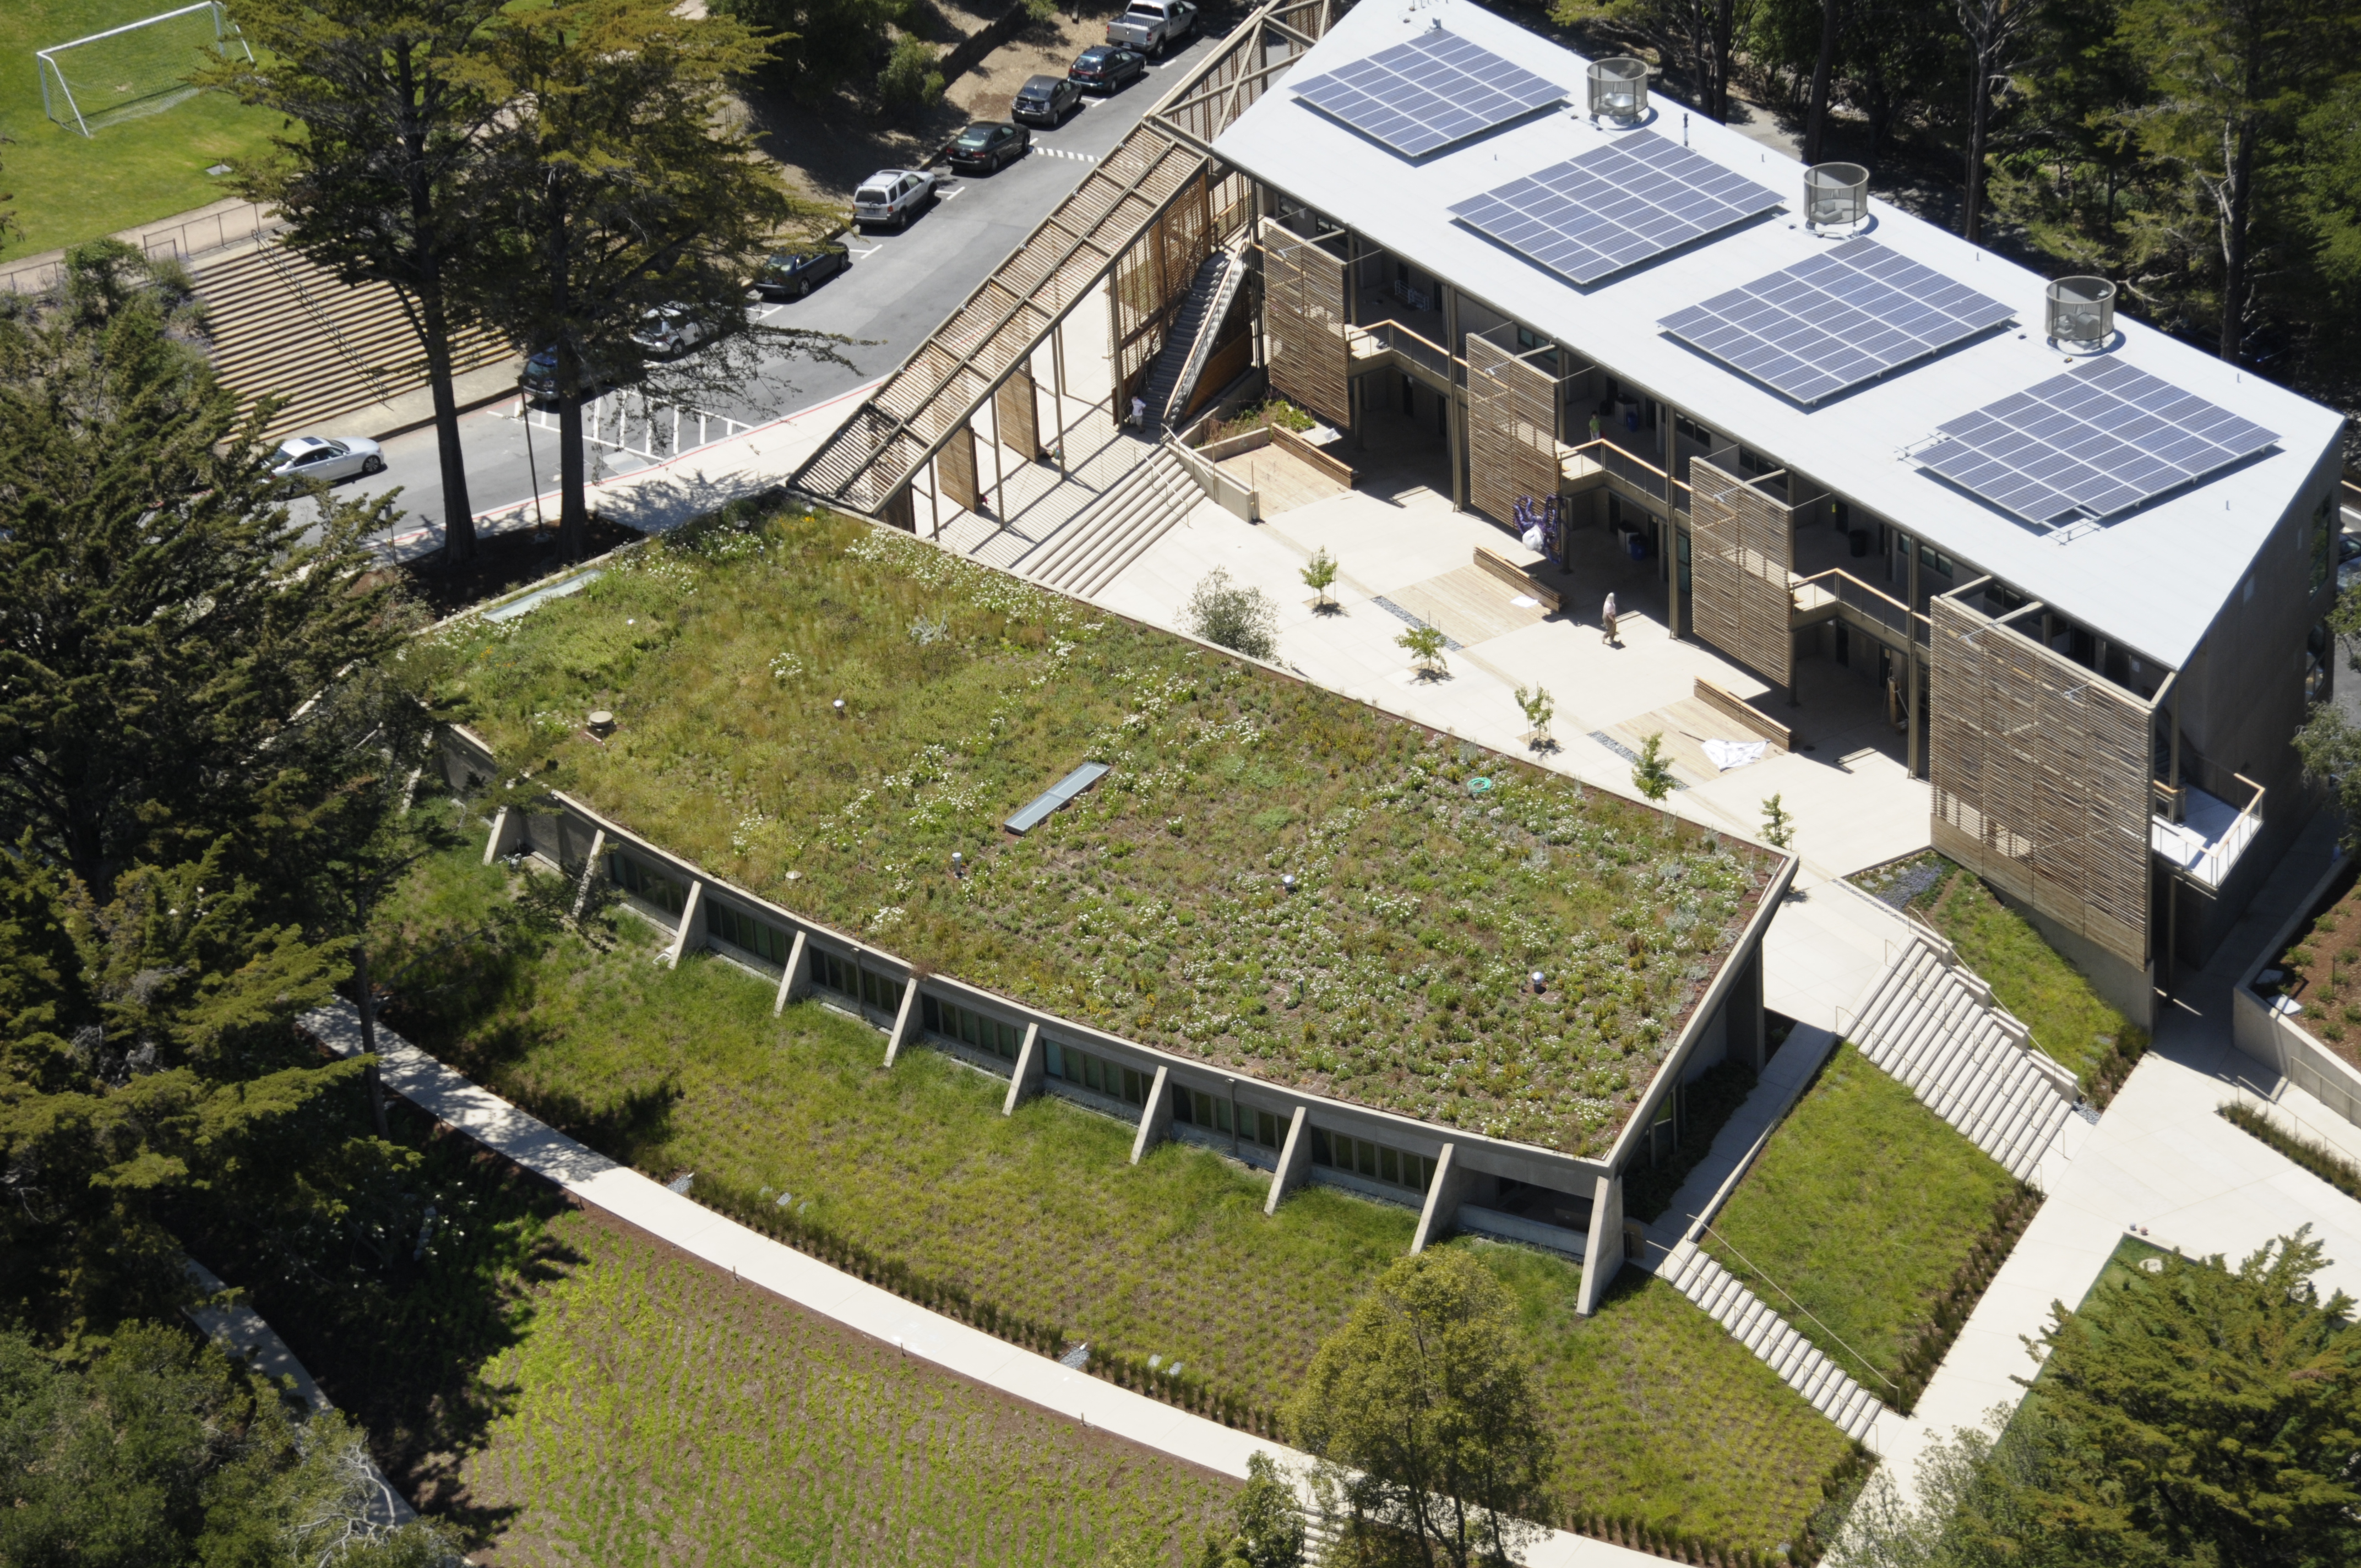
x=1149, y=25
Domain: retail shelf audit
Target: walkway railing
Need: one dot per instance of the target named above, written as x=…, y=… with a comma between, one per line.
x=1874, y=603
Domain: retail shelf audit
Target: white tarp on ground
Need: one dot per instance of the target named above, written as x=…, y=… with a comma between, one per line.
x=1728, y=754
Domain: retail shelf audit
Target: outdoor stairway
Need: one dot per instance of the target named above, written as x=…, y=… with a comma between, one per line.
x=284, y=327
x=1208, y=312
x=1174, y=375
x=1774, y=1341
x=1933, y=1023
x=1091, y=550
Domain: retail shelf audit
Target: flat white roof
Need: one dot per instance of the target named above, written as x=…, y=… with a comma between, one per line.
x=2153, y=580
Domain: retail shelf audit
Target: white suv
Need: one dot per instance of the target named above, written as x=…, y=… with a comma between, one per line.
x=893, y=196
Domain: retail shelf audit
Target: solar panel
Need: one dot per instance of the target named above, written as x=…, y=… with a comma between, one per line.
x=1840, y=319
x=2099, y=440
x=1616, y=206
x=1429, y=92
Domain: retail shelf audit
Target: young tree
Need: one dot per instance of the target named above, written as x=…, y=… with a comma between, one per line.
x=1778, y=826
x=1424, y=1415
x=1266, y=1523
x=1652, y=776
x=1320, y=573
x=1539, y=707
x=613, y=183
x=1234, y=615
x=1424, y=645
x=160, y=618
x=390, y=120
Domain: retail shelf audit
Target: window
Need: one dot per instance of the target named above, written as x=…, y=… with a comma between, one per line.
x=1358, y=1156
x=1693, y=431
x=1199, y=1109
x=847, y=978
x=649, y=887
x=953, y=1022
x=1113, y=1079
x=745, y=933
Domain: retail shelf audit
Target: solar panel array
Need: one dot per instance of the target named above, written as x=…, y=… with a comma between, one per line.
x=1617, y=205
x=1832, y=323
x=2099, y=440
x=1429, y=92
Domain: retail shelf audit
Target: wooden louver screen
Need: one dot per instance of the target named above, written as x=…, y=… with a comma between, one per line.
x=1512, y=430
x=1742, y=546
x=1014, y=418
x=1303, y=322
x=955, y=470
x=2040, y=773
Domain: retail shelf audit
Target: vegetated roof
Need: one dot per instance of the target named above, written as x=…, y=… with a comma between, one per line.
x=1153, y=906
x=2152, y=580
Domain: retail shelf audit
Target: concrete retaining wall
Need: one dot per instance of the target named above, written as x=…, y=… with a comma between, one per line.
x=2279, y=1040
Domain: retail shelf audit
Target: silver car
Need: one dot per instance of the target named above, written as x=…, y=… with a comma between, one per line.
x=892, y=196
x=670, y=330
x=318, y=457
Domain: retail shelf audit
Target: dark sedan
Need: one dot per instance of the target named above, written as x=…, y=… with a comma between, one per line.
x=797, y=273
x=1046, y=100
x=983, y=149
x=1106, y=68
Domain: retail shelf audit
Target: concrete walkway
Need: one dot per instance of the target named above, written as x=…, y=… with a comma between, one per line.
x=758, y=1260
x=2161, y=1159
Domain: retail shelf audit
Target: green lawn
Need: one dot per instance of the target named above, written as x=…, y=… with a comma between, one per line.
x=1864, y=1206
x=69, y=188
x=1659, y=1414
x=1430, y=877
x=2069, y=1019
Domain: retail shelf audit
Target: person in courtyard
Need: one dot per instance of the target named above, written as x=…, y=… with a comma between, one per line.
x=1606, y=623
x=1139, y=412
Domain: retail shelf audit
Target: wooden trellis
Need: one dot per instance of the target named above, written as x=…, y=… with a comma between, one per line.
x=1303, y=322
x=1511, y=429
x=2041, y=771
x=1153, y=277
x=1742, y=547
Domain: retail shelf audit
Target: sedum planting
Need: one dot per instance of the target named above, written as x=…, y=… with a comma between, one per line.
x=1430, y=878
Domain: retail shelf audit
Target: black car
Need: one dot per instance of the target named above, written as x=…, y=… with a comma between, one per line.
x=1046, y=100
x=796, y=273
x=1105, y=67
x=981, y=150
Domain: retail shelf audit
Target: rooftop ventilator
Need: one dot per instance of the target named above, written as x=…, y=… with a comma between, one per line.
x=1836, y=198
x=2082, y=315
x=1619, y=89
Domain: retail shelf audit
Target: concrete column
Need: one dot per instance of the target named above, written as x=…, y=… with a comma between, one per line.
x=589, y=870
x=1032, y=1069
x=1294, y=1160
x=1603, y=1257
x=1443, y=1196
x=1154, y=1122
x=1454, y=429
x=507, y=828
x=691, y=933
x=905, y=1021
x=792, y=978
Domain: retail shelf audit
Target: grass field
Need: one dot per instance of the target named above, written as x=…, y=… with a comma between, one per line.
x=1430, y=877
x=2069, y=1021
x=1659, y=1414
x=1864, y=1206
x=70, y=188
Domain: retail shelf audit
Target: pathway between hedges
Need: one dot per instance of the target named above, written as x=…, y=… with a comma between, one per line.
x=758, y=1260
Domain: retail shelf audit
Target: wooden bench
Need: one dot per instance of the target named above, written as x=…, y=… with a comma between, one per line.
x=1730, y=705
x=1519, y=574
x=1320, y=458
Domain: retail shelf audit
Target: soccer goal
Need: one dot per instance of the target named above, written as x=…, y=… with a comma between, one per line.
x=141, y=67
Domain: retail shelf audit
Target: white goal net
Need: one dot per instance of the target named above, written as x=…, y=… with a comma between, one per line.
x=141, y=67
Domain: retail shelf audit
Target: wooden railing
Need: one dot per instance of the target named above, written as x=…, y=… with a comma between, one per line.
x=1873, y=603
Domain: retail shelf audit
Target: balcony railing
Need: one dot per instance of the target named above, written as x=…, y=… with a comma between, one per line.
x=1394, y=337
x=2205, y=836
x=1873, y=603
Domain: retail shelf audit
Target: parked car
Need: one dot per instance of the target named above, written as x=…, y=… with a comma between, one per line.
x=1104, y=68
x=988, y=150
x=893, y=196
x=1153, y=26
x=1046, y=100
x=671, y=331
x=794, y=274
x=319, y=457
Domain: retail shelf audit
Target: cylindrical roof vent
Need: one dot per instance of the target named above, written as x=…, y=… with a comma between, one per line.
x=1836, y=195
x=2082, y=312
x=1618, y=88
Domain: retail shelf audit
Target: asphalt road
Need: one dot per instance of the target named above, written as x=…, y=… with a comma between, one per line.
x=898, y=289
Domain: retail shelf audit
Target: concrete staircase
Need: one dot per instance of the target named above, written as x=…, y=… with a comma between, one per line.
x=284, y=327
x=1091, y=550
x=1933, y=1023
x=1200, y=320
x=1799, y=1363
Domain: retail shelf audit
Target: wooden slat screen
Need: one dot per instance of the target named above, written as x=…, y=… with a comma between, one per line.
x=1303, y=322
x=1014, y=417
x=955, y=469
x=2040, y=773
x=1512, y=430
x=1153, y=277
x=1741, y=548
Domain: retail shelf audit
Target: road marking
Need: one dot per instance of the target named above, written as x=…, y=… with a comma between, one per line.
x=1061, y=152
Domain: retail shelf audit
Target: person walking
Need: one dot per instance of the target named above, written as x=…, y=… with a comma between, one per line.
x=1139, y=412
x=1606, y=623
